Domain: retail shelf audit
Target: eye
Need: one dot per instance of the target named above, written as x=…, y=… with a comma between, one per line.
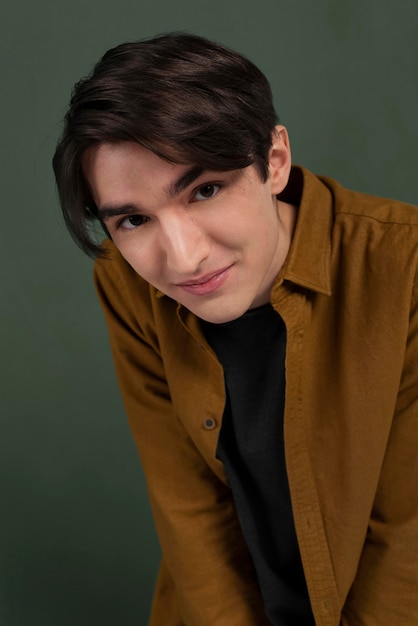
x=206, y=191
x=132, y=221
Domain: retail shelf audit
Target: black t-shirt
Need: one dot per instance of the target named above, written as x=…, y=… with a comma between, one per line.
x=252, y=352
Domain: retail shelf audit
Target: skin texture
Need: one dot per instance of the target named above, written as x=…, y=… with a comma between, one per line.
x=214, y=242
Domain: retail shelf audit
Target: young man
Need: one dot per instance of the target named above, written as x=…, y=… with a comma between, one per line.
x=264, y=327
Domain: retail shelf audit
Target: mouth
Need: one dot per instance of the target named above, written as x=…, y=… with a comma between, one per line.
x=205, y=285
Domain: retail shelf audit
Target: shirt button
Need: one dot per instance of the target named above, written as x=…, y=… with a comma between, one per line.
x=209, y=423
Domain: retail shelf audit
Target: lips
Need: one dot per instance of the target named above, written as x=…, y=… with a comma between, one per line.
x=205, y=285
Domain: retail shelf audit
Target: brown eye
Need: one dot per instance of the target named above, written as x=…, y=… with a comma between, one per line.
x=132, y=221
x=206, y=191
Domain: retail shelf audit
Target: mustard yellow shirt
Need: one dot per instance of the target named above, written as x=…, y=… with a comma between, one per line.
x=348, y=296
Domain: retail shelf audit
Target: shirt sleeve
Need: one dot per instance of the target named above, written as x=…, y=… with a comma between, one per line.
x=385, y=590
x=206, y=576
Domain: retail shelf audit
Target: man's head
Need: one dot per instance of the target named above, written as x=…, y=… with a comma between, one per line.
x=184, y=98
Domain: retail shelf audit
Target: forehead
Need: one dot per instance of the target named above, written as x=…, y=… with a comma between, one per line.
x=119, y=169
x=123, y=158
x=126, y=173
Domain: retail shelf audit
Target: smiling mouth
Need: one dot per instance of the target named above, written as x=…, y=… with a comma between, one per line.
x=208, y=284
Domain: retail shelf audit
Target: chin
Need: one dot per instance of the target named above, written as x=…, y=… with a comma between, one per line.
x=220, y=314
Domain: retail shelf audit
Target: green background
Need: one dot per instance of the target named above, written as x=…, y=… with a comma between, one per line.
x=77, y=545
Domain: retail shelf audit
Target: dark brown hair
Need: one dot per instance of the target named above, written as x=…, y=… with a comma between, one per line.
x=185, y=98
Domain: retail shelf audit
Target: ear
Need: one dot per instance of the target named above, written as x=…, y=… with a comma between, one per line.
x=279, y=160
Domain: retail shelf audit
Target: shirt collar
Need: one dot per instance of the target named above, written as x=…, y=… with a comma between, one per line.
x=309, y=257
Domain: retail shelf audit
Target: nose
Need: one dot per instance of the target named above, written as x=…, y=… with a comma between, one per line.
x=185, y=244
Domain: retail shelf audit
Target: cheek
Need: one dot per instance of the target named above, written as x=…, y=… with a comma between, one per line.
x=139, y=257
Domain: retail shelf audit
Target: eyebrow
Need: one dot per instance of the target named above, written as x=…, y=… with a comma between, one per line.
x=108, y=210
x=173, y=189
x=186, y=179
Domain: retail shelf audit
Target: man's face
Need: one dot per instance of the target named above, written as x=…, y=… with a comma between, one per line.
x=212, y=241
